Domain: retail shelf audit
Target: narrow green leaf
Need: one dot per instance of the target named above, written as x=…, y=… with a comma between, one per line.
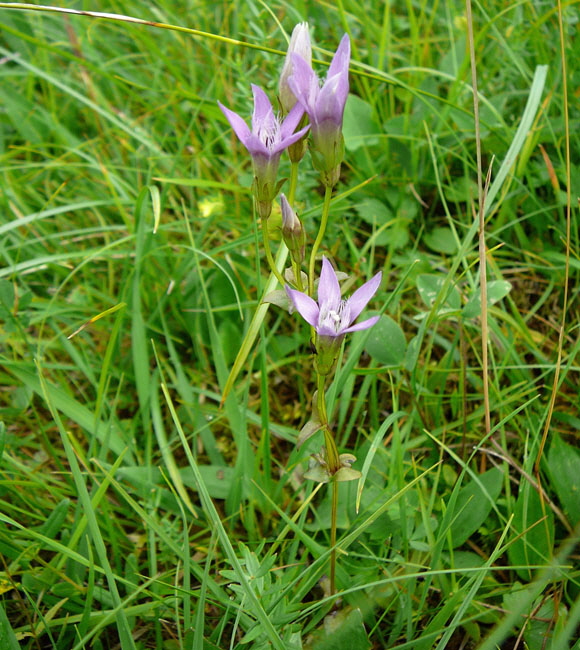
x=534, y=523
x=8, y=639
x=534, y=99
x=254, y=328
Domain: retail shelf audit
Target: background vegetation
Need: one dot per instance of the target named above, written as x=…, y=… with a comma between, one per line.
x=136, y=512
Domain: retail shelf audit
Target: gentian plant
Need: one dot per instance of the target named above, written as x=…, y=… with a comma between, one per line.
x=330, y=317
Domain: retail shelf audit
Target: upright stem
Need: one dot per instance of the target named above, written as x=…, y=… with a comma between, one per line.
x=319, y=238
x=333, y=460
x=293, y=184
x=268, y=251
x=291, y=197
x=333, y=516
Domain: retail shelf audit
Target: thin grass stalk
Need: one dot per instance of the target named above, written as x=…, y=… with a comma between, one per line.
x=567, y=244
x=481, y=218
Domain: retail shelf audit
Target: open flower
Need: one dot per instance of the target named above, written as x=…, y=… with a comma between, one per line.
x=332, y=317
x=265, y=142
x=325, y=107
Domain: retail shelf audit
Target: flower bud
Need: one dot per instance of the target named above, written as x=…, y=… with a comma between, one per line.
x=292, y=231
x=299, y=44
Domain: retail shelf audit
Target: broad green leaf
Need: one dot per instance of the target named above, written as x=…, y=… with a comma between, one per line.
x=386, y=342
x=359, y=128
x=534, y=523
x=378, y=215
x=429, y=287
x=441, y=240
x=344, y=631
x=474, y=503
x=564, y=468
x=496, y=290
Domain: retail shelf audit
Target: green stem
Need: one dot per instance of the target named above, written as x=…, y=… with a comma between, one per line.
x=333, y=460
x=293, y=184
x=297, y=275
x=268, y=251
x=333, y=517
x=319, y=238
x=291, y=198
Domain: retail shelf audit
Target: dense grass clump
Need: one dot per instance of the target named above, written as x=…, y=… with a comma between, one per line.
x=148, y=500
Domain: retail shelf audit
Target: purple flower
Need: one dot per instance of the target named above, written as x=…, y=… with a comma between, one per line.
x=324, y=105
x=265, y=142
x=332, y=317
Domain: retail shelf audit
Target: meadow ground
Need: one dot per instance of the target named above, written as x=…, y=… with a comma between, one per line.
x=139, y=508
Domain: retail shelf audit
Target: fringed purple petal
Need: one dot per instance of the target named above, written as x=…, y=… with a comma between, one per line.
x=291, y=139
x=329, y=331
x=257, y=148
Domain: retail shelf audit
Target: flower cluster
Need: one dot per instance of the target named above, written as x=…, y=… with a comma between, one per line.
x=300, y=95
x=311, y=110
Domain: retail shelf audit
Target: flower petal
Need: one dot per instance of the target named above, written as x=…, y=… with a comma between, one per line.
x=341, y=59
x=240, y=128
x=328, y=288
x=363, y=325
x=304, y=305
x=299, y=44
x=329, y=331
x=332, y=100
x=257, y=148
x=263, y=117
x=291, y=139
x=359, y=299
x=304, y=83
x=292, y=120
